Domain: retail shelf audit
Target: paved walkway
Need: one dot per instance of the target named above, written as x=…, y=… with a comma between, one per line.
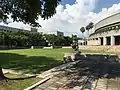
x=62, y=82
x=69, y=79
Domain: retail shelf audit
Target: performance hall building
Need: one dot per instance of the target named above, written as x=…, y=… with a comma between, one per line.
x=107, y=31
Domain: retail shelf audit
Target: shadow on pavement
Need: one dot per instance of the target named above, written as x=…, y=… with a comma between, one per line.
x=93, y=67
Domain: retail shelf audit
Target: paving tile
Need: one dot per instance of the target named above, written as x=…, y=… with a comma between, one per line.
x=62, y=89
x=59, y=83
x=52, y=88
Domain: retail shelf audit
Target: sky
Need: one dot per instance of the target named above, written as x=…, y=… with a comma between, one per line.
x=105, y=4
x=73, y=14
x=100, y=4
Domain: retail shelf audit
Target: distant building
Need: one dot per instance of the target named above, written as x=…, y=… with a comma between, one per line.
x=60, y=33
x=57, y=33
x=12, y=29
x=8, y=29
x=34, y=29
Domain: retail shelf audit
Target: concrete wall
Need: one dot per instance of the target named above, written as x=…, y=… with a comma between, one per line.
x=106, y=34
x=101, y=48
x=112, y=19
x=93, y=42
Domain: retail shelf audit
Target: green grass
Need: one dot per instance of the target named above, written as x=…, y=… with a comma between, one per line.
x=101, y=52
x=32, y=60
x=17, y=84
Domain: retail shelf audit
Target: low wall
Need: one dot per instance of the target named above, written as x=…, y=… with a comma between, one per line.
x=98, y=57
x=101, y=48
x=52, y=47
x=35, y=47
x=66, y=47
x=91, y=57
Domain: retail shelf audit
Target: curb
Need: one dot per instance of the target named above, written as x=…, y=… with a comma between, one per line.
x=38, y=83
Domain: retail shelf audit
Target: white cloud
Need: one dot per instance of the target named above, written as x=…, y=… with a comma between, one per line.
x=70, y=18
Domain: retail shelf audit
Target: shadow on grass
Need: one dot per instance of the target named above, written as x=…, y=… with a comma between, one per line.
x=22, y=78
x=31, y=64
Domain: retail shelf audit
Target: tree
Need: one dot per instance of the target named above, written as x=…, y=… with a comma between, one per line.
x=89, y=26
x=26, y=11
x=67, y=41
x=82, y=29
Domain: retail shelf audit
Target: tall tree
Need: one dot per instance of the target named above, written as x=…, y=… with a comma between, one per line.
x=89, y=26
x=26, y=11
x=82, y=29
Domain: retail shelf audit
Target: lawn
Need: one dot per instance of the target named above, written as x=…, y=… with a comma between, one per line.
x=17, y=84
x=32, y=60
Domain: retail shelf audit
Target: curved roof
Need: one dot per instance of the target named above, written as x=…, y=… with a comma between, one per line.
x=109, y=20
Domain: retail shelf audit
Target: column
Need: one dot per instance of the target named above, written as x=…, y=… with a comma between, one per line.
x=104, y=40
x=99, y=41
x=112, y=40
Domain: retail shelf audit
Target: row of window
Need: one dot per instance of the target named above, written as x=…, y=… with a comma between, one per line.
x=109, y=28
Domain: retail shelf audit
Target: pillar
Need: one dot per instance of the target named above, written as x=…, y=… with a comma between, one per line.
x=112, y=40
x=104, y=41
x=99, y=41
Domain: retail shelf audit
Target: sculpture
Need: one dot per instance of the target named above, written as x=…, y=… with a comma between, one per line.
x=75, y=47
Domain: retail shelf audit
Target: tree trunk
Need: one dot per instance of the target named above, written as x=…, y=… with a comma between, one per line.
x=2, y=77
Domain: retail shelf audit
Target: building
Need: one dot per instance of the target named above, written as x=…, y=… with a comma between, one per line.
x=8, y=29
x=11, y=29
x=57, y=33
x=33, y=29
x=107, y=31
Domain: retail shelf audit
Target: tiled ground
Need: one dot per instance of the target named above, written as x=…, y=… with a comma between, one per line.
x=70, y=79
x=61, y=82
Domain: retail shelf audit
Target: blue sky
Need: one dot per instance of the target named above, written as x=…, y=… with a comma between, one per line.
x=101, y=4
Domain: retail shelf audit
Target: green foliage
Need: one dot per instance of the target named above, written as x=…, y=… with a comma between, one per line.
x=27, y=11
x=74, y=37
x=67, y=41
x=27, y=39
x=21, y=39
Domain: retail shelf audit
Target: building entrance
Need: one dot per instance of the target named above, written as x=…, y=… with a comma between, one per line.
x=101, y=41
x=108, y=40
x=117, y=40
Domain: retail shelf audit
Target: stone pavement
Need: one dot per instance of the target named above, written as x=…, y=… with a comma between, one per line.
x=59, y=82
x=63, y=82
x=69, y=79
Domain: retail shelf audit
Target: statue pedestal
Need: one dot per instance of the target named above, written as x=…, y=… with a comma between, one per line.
x=70, y=57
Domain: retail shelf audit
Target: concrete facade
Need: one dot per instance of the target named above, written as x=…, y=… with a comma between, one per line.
x=12, y=29
x=107, y=31
x=57, y=33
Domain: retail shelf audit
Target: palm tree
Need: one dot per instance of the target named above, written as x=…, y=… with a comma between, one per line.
x=82, y=29
x=89, y=26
